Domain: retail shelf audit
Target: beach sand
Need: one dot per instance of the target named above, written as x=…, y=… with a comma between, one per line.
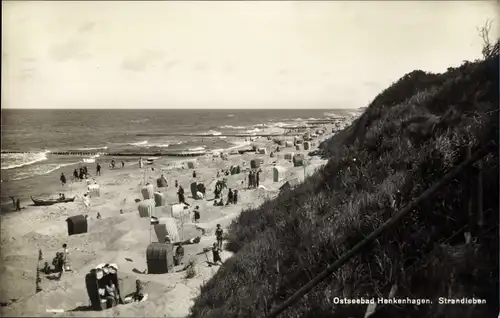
x=123, y=238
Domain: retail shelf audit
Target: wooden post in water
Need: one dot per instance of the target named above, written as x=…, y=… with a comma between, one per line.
x=479, y=194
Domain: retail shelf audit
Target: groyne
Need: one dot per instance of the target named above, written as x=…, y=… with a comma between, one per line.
x=117, y=154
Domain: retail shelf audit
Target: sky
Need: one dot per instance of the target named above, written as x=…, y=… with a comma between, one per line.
x=228, y=54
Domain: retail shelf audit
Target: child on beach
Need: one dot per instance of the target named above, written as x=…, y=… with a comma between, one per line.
x=196, y=212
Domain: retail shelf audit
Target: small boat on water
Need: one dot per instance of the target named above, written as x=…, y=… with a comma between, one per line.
x=40, y=202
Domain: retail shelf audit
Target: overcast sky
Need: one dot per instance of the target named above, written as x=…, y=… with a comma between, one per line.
x=227, y=54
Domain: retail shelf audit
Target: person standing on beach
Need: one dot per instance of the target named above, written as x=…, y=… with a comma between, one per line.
x=112, y=163
x=257, y=179
x=194, y=173
x=123, y=164
x=196, y=213
x=82, y=174
x=63, y=179
x=216, y=254
x=218, y=234
x=235, y=196
x=98, y=169
x=229, y=196
x=63, y=260
x=250, y=179
x=75, y=175
x=180, y=193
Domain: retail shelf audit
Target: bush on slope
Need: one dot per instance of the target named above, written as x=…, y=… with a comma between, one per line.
x=408, y=138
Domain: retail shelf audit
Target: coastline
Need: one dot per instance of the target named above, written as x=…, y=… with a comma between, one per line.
x=117, y=237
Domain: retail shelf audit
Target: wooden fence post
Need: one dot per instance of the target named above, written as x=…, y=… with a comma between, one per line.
x=469, y=206
x=479, y=186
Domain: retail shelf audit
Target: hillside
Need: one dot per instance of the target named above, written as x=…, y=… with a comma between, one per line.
x=409, y=137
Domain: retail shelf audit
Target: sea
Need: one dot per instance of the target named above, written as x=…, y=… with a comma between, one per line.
x=40, y=133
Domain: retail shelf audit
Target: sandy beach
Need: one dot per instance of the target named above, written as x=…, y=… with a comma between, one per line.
x=122, y=239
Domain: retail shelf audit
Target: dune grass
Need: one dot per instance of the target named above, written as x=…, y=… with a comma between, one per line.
x=408, y=138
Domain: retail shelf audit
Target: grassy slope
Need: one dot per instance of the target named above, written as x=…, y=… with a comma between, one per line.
x=408, y=138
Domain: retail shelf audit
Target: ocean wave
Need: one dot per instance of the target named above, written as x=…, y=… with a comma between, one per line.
x=139, y=120
x=212, y=133
x=201, y=148
x=232, y=127
x=139, y=143
x=40, y=170
x=253, y=131
x=17, y=160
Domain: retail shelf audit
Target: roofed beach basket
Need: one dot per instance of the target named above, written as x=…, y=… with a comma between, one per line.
x=148, y=191
x=160, y=199
x=146, y=208
x=160, y=258
x=77, y=225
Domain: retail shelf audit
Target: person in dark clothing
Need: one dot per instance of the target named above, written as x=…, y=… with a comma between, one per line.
x=196, y=214
x=85, y=170
x=82, y=174
x=180, y=194
x=250, y=179
x=194, y=174
x=257, y=179
x=218, y=234
x=216, y=254
x=139, y=291
x=179, y=254
x=235, y=196
x=75, y=175
x=229, y=197
x=18, y=205
x=112, y=163
x=176, y=184
x=218, y=173
x=63, y=179
x=98, y=170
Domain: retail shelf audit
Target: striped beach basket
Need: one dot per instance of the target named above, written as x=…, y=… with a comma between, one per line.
x=148, y=191
x=146, y=208
x=167, y=226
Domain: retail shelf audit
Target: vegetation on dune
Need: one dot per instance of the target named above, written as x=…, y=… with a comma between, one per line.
x=410, y=136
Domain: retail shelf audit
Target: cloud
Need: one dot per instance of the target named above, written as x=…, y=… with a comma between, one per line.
x=169, y=65
x=86, y=27
x=140, y=62
x=200, y=67
x=72, y=49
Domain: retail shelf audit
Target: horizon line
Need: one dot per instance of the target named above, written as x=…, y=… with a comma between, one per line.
x=8, y=108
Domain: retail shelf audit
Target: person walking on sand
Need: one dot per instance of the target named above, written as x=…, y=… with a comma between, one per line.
x=218, y=234
x=63, y=179
x=176, y=184
x=86, y=202
x=75, y=175
x=112, y=163
x=123, y=164
x=216, y=254
x=98, y=169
